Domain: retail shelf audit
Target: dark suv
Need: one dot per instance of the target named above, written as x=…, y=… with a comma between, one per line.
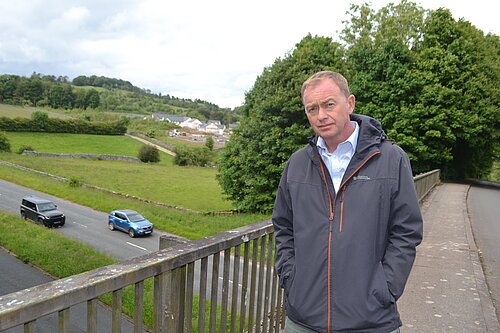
x=43, y=211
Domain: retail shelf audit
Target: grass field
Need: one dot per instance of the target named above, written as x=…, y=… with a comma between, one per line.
x=14, y=111
x=18, y=111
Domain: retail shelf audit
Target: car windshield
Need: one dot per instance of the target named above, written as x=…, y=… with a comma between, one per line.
x=46, y=206
x=135, y=217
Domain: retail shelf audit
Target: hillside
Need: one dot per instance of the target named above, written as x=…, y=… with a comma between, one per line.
x=103, y=94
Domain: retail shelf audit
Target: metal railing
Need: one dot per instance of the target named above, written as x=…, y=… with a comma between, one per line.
x=425, y=182
x=237, y=286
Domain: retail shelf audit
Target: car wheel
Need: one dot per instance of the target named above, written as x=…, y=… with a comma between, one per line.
x=111, y=226
x=131, y=232
x=23, y=215
x=43, y=222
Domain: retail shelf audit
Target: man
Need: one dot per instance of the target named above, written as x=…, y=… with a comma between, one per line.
x=346, y=217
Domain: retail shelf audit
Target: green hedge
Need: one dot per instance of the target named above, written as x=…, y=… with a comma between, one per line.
x=54, y=125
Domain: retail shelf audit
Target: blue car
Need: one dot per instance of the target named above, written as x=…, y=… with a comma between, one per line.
x=129, y=221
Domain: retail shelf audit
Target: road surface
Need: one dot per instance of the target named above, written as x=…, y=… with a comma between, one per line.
x=484, y=211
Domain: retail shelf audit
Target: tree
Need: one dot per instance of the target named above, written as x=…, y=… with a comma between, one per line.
x=431, y=81
x=41, y=119
x=92, y=98
x=209, y=143
x=4, y=142
x=274, y=124
x=32, y=90
x=149, y=154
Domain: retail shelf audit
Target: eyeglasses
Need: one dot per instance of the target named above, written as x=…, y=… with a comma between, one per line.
x=314, y=109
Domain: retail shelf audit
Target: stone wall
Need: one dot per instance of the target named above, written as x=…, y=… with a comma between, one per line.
x=90, y=156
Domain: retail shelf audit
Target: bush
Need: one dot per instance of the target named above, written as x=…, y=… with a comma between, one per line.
x=148, y=154
x=4, y=142
x=74, y=182
x=23, y=148
x=192, y=156
x=209, y=143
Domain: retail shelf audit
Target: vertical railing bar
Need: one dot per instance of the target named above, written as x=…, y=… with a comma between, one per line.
x=244, y=286
x=253, y=285
x=202, y=295
x=116, y=325
x=158, y=303
x=269, y=256
x=236, y=279
x=92, y=315
x=182, y=298
x=258, y=318
x=63, y=321
x=273, y=317
x=138, y=306
x=188, y=316
x=283, y=312
x=29, y=327
x=214, y=292
x=279, y=309
x=225, y=290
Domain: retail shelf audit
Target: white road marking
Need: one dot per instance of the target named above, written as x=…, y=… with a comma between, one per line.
x=81, y=225
x=140, y=247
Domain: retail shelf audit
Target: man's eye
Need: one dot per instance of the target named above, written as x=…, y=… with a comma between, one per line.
x=311, y=109
x=330, y=105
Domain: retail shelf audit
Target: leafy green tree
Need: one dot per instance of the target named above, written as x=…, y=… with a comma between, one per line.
x=31, y=90
x=149, y=154
x=60, y=96
x=432, y=82
x=209, y=143
x=41, y=119
x=274, y=124
x=4, y=142
x=92, y=99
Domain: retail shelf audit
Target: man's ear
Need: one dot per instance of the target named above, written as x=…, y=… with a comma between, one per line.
x=351, y=101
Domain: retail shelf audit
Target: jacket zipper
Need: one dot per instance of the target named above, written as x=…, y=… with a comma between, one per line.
x=330, y=218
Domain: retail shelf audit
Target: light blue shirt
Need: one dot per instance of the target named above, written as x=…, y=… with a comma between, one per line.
x=337, y=162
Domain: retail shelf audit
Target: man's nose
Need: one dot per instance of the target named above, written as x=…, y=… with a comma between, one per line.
x=322, y=112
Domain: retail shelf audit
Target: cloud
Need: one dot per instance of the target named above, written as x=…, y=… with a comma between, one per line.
x=211, y=50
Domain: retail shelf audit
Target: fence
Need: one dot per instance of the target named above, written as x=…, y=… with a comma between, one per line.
x=250, y=301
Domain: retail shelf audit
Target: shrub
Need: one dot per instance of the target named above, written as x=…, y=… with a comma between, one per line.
x=148, y=154
x=209, y=143
x=74, y=182
x=4, y=142
x=23, y=148
x=186, y=156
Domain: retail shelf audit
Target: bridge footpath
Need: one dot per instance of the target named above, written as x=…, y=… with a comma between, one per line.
x=446, y=291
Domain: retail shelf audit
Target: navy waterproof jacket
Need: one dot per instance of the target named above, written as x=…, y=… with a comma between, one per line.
x=344, y=258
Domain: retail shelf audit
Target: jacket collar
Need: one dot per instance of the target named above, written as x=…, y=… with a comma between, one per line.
x=370, y=136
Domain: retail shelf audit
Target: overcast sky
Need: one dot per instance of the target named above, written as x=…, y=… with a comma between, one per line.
x=208, y=49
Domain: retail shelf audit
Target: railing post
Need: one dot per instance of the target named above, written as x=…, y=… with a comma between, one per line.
x=174, y=305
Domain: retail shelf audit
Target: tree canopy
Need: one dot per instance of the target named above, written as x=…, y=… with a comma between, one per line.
x=431, y=80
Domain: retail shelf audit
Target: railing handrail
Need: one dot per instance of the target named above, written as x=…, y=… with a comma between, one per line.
x=423, y=175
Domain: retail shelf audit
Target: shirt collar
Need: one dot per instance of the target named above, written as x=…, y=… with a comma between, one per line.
x=352, y=139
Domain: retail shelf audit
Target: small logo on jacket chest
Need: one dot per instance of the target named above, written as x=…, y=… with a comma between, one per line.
x=360, y=178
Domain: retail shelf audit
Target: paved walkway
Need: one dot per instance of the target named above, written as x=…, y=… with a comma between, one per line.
x=446, y=291
x=165, y=150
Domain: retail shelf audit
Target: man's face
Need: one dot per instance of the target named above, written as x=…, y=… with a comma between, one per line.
x=328, y=112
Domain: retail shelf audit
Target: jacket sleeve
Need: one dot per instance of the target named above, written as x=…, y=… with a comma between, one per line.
x=405, y=230
x=283, y=226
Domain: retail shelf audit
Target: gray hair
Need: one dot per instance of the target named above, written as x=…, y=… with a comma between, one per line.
x=337, y=78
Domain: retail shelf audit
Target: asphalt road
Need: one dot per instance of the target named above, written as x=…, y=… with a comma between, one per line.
x=484, y=211
x=84, y=224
